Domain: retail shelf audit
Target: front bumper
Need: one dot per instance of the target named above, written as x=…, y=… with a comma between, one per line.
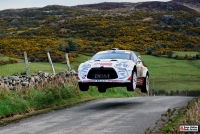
x=106, y=83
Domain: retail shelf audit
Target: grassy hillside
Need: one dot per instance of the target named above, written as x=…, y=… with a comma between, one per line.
x=156, y=28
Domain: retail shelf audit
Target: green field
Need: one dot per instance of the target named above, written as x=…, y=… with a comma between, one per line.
x=170, y=74
x=34, y=67
x=165, y=73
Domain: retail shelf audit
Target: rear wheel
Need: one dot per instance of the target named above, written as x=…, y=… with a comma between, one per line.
x=83, y=86
x=101, y=89
x=145, y=85
x=132, y=85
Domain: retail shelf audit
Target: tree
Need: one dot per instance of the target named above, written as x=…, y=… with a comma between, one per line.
x=169, y=54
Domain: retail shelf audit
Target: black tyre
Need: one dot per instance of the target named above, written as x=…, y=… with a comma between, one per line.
x=101, y=89
x=83, y=86
x=132, y=86
x=145, y=86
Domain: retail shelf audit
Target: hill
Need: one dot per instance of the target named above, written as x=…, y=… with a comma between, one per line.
x=194, y=2
x=147, y=27
x=162, y=6
x=107, y=5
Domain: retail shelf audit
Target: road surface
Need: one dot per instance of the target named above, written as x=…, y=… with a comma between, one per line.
x=104, y=116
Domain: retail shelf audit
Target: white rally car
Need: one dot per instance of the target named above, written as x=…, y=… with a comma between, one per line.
x=114, y=68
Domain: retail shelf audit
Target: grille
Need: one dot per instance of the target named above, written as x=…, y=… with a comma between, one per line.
x=102, y=73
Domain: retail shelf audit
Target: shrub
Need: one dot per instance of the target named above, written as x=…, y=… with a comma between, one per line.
x=181, y=58
x=63, y=62
x=10, y=61
x=58, y=59
x=71, y=59
x=42, y=58
x=32, y=59
x=197, y=56
x=169, y=54
x=176, y=57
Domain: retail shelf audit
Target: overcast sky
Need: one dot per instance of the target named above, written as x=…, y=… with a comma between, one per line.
x=13, y=4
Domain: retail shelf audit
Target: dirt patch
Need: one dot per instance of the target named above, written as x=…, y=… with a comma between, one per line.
x=148, y=19
x=194, y=8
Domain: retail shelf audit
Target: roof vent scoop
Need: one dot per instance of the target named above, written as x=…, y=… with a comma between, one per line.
x=114, y=48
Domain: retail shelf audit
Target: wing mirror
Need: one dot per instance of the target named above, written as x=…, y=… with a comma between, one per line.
x=139, y=59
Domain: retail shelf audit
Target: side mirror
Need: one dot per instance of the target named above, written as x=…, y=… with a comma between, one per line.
x=139, y=59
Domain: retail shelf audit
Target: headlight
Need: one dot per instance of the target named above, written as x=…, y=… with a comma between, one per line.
x=84, y=66
x=81, y=73
x=122, y=74
x=125, y=64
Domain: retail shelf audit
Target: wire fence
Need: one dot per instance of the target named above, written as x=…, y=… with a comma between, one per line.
x=13, y=66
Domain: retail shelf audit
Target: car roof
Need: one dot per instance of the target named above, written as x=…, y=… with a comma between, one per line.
x=115, y=51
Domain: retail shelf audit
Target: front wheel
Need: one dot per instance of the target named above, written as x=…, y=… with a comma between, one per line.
x=132, y=85
x=83, y=87
x=145, y=85
x=101, y=89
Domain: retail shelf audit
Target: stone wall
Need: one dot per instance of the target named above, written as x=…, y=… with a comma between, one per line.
x=23, y=81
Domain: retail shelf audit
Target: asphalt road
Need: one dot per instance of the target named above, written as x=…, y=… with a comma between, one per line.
x=112, y=116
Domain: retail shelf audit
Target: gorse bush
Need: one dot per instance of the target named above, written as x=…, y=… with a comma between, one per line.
x=10, y=61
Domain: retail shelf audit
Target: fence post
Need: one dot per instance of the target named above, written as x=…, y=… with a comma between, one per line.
x=186, y=89
x=67, y=61
x=51, y=64
x=26, y=63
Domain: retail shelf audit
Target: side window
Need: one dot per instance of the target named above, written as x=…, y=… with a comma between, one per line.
x=134, y=57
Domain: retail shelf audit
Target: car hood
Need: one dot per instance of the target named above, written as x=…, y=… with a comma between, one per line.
x=106, y=62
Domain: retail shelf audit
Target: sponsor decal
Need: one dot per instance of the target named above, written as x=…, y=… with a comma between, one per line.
x=115, y=81
x=84, y=77
x=104, y=64
x=84, y=71
x=89, y=81
x=121, y=69
x=102, y=76
x=101, y=80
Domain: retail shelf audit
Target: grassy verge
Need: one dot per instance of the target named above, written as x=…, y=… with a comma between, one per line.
x=15, y=105
x=170, y=121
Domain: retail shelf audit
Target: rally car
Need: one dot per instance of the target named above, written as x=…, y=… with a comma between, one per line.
x=114, y=68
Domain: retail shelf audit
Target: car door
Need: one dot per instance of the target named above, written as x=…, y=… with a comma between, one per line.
x=139, y=66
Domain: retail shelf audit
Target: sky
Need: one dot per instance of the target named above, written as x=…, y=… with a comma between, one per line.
x=15, y=4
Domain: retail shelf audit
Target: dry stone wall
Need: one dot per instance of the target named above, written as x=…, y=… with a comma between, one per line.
x=23, y=81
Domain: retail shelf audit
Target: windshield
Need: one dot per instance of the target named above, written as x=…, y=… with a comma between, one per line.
x=111, y=56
